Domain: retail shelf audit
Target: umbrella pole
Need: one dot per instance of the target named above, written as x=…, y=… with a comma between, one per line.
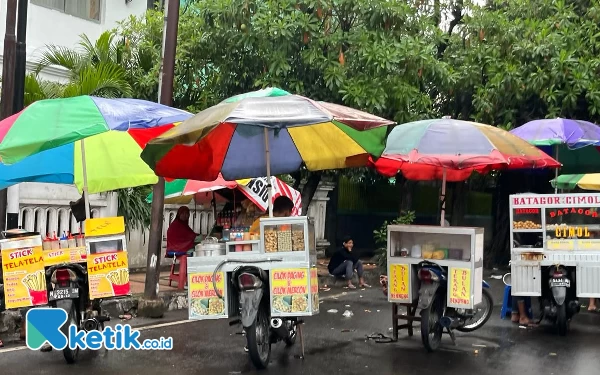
x=268, y=160
x=556, y=170
x=443, y=197
x=86, y=196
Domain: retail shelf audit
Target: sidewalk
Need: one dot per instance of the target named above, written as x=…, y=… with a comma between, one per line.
x=138, y=280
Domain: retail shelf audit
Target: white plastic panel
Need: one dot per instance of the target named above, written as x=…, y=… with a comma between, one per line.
x=588, y=280
x=526, y=279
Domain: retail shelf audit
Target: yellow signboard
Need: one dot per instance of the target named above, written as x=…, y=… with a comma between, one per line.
x=560, y=244
x=104, y=226
x=314, y=289
x=59, y=256
x=460, y=286
x=289, y=291
x=108, y=274
x=24, y=277
x=399, y=284
x=204, y=301
x=588, y=244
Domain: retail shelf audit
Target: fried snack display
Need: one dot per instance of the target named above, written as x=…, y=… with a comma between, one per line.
x=281, y=305
x=35, y=281
x=216, y=306
x=284, y=240
x=300, y=303
x=118, y=277
x=270, y=241
x=528, y=224
x=315, y=301
x=298, y=240
x=198, y=307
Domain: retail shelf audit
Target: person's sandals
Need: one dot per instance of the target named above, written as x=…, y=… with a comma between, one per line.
x=592, y=309
x=46, y=348
x=351, y=286
x=1, y=344
x=364, y=285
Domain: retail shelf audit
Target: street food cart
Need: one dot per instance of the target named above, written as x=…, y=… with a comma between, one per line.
x=286, y=248
x=550, y=229
x=460, y=249
x=107, y=263
x=24, y=260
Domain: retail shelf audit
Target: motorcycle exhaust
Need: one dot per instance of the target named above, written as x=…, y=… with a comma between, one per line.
x=91, y=325
x=279, y=328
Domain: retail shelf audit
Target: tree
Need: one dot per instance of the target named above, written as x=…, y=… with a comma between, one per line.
x=378, y=56
x=515, y=61
x=93, y=69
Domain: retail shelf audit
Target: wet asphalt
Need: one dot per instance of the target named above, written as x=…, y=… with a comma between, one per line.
x=338, y=345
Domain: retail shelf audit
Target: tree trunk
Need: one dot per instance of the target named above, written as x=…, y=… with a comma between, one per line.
x=459, y=200
x=309, y=190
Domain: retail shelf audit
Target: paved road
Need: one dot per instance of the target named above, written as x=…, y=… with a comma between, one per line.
x=215, y=348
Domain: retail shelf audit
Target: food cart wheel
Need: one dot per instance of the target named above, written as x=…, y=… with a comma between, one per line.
x=259, y=341
x=431, y=329
x=561, y=320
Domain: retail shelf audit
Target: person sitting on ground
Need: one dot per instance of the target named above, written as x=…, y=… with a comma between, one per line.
x=282, y=207
x=181, y=239
x=344, y=262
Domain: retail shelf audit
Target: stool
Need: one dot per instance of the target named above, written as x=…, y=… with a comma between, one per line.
x=506, y=309
x=181, y=276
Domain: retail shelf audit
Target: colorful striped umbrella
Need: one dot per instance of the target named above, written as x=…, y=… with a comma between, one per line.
x=451, y=150
x=50, y=123
x=112, y=160
x=229, y=138
x=428, y=149
x=589, y=181
x=264, y=133
x=53, y=125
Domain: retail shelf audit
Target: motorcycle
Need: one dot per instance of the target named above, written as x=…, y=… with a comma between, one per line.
x=559, y=302
x=437, y=316
x=68, y=290
x=252, y=285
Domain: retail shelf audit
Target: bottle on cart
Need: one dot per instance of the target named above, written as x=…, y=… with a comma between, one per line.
x=226, y=233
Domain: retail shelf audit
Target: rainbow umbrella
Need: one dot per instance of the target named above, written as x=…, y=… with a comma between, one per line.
x=264, y=133
x=451, y=150
x=37, y=144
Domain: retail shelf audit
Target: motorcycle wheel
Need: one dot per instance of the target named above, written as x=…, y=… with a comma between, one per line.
x=561, y=320
x=293, y=328
x=68, y=305
x=259, y=342
x=488, y=303
x=431, y=329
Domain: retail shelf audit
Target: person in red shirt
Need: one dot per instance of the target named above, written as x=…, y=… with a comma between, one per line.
x=181, y=239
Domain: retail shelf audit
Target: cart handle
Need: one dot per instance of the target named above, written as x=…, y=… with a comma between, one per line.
x=223, y=262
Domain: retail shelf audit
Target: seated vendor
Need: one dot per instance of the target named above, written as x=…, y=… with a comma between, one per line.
x=344, y=262
x=181, y=239
x=282, y=207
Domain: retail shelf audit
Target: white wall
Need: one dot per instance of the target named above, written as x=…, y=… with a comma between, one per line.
x=46, y=26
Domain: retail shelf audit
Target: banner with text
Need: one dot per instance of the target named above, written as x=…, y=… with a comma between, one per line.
x=108, y=274
x=23, y=273
x=399, y=283
x=460, y=288
x=290, y=292
x=58, y=256
x=204, y=301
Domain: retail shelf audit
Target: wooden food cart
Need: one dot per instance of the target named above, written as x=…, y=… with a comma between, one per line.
x=550, y=229
x=459, y=249
x=286, y=249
